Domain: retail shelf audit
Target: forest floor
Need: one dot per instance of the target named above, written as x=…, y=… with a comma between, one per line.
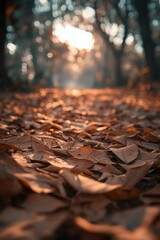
x=80, y=164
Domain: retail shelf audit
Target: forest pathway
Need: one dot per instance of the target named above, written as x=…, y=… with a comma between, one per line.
x=80, y=164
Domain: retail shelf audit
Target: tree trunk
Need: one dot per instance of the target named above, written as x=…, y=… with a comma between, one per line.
x=117, y=53
x=2, y=43
x=118, y=71
x=148, y=45
x=33, y=48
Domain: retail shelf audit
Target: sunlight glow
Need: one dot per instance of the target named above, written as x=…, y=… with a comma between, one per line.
x=42, y=1
x=129, y=39
x=113, y=30
x=74, y=37
x=75, y=92
x=88, y=12
x=11, y=48
x=138, y=48
x=50, y=55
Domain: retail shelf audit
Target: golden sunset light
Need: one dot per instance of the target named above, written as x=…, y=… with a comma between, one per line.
x=75, y=37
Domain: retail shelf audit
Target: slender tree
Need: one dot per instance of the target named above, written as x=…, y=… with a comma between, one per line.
x=146, y=34
x=3, y=5
x=117, y=52
x=31, y=35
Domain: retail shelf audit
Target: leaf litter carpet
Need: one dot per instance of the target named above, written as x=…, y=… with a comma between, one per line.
x=80, y=164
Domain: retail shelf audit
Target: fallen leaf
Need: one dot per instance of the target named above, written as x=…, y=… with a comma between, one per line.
x=10, y=186
x=21, y=159
x=21, y=224
x=120, y=139
x=89, y=153
x=132, y=177
x=101, y=228
x=4, y=147
x=136, y=217
x=21, y=142
x=36, y=182
x=43, y=203
x=126, y=154
x=10, y=164
x=86, y=185
x=151, y=196
x=38, y=145
x=152, y=138
x=69, y=163
x=124, y=193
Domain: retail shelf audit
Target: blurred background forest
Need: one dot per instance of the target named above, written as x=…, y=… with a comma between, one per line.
x=79, y=44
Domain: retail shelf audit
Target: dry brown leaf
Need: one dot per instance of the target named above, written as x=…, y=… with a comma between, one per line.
x=61, y=152
x=70, y=145
x=126, y=154
x=124, y=194
x=21, y=142
x=22, y=224
x=113, y=232
x=93, y=207
x=152, y=138
x=41, y=156
x=21, y=159
x=36, y=182
x=101, y=228
x=38, y=145
x=9, y=185
x=150, y=200
x=43, y=203
x=148, y=145
x=51, y=125
x=152, y=196
x=49, y=141
x=3, y=129
x=120, y=139
x=89, y=153
x=10, y=164
x=153, y=191
x=145, y=156
x=31, y=125
x=16, y=224
x=136, y=217
x=47, y=226
x=86, y=185
x=4, y=147
x=69, y=163
x=91, y=213
x=11, y=214
x=95, y=199
x=132, y=177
